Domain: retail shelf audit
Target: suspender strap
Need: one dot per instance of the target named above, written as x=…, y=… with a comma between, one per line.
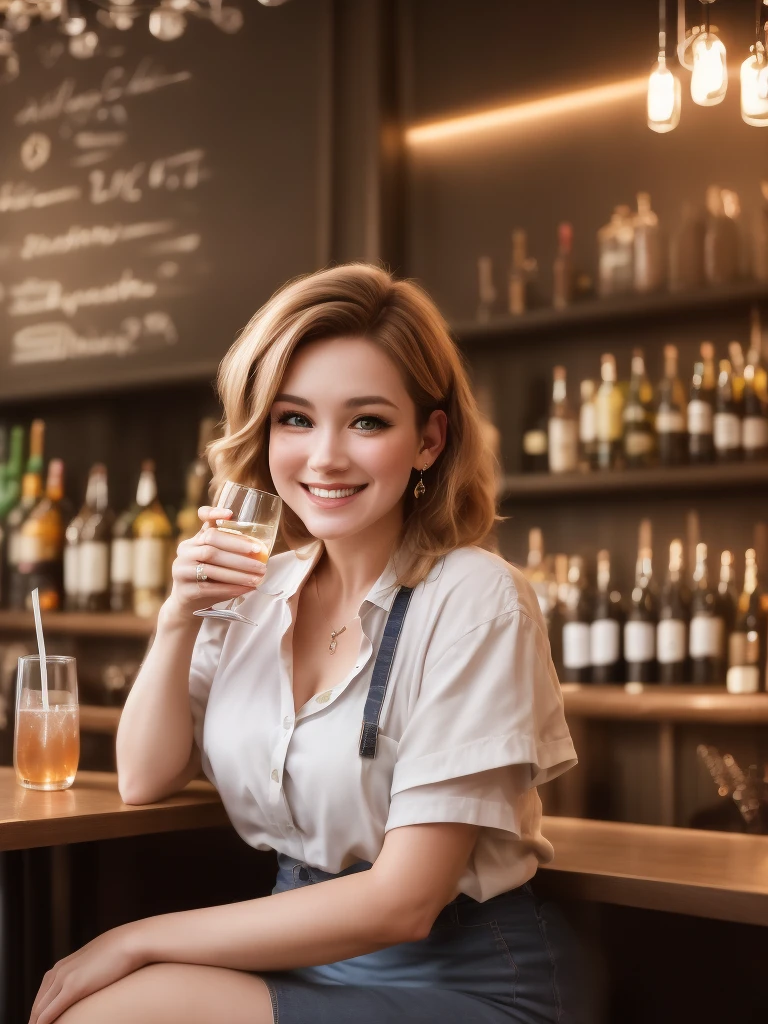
x=380, y=677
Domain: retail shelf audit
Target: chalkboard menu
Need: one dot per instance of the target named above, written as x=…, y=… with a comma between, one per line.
x=153, y=196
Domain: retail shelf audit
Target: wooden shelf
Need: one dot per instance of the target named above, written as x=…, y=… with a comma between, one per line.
x=625, y=309
x=525, y=487
x=79, y=623
x=665, y=704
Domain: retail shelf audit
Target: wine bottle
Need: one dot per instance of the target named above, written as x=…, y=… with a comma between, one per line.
x=721, y=237
x=754, y=425
x=521, y=275
x=707, y=629
x=747, y=642
x=649, y=255
x=670, y=417
x=639, y=438
x=536, y=571
x=674, y=614
x=727, y=591
x=152, y=531
x=12, y=465
x=577, y=616
x=709, y=380
x=642, y=616
x=40, y=545
x=31, y=494
x=587, y=427
x=94, y=548
x=755, y=354
x=700, y=417
x=71, y=544
x=562, y=270
x=562, y=428
x=727, y=422
x=198, y=479
x=609, y=407
x=558, y=590
x=606, y=627
x=736, y=355
x=616, y=248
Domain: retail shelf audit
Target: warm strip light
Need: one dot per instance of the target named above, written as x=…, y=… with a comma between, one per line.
x=532, y=110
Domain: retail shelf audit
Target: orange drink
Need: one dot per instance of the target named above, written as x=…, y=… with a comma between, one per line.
x=46, y=743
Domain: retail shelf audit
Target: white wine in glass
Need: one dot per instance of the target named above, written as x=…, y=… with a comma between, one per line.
x=255, y=514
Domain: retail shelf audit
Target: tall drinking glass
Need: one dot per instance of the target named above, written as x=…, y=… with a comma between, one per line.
x=46, y=743
x=255, y=514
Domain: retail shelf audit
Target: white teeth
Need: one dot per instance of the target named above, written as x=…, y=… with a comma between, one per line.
x=333, y=494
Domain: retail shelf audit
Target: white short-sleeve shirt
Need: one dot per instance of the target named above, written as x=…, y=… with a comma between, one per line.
x=471, y=723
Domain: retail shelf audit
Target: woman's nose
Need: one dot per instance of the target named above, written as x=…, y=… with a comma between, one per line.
x=328, y=450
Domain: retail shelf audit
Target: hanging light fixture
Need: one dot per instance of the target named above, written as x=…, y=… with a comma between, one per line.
x=72, y=18
x=709, y=78
x=754, y=76
x=663, y=86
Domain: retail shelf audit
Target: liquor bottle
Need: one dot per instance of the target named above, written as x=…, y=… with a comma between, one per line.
x=12, y=466
x=709, y=380
x=536, y=573
x=562, y=428
x=562, y=270
x=577, y=616
x=754, y=425
x=535, y=428
x=31, y=493
x=609, y=406
x=700, y=417
x=707, y=630
x=616, y=248
x=40, y=545
x=606, y=627
x=736, y=355
x=674, y=615
x=649, y=255
x=71, y=545
x=521, y=289
x=121, y=561
x=587, y=426
x=746, y=644
x=93, y=551
x=721, y=237
x=642, y=616
x=727, y=422
x=755, y=354
x=727, y=591
x=486, y=289
x=639, y=439
x=670, y=415
x=152, y=531
x=686, y=252
x=199, y=472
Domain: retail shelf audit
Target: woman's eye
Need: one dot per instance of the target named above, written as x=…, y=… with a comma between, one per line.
x=377, y=422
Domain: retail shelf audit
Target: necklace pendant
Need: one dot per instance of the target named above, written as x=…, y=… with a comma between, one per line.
x=332, y=647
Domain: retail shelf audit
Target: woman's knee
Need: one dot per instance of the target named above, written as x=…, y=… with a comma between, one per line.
x=170, y=993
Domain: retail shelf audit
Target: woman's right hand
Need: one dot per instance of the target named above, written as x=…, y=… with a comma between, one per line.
x=233, y=564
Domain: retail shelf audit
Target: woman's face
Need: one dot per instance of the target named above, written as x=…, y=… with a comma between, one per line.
x=322, y=435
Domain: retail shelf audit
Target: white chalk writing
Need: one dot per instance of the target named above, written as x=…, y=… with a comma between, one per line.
x=76, y=238
x=33, y=296
x=17, y=195
x=57, y=341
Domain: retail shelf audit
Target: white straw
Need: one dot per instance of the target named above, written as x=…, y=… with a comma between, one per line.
x=40, y=646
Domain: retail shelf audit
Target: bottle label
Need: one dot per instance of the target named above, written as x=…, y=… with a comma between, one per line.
x=671, y=641
x=743, y=679
x=727, y=431
x=563, y=445
x=93, y=568
x=638, y=442
x=699, y=417
x=670, y=421
x=70, y=570
x=754, y=433
x=639, y=641
x=706, y=636
x=604, y=640
x=587, y=423
x=576, y=644
x=609, y=423
x=743, y=648
x=149, y=558
x=122, y=560
x=29, y=550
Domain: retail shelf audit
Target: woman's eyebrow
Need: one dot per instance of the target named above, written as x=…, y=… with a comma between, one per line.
x=351, y=403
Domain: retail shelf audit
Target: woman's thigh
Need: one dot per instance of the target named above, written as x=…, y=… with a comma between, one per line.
x=169, y=993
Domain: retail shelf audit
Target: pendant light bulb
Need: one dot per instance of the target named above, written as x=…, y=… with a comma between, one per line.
x=663, y=98
x=754, y=87
x=709, y=78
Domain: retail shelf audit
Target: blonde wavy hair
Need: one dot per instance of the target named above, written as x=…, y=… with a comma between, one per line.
x=361, y=300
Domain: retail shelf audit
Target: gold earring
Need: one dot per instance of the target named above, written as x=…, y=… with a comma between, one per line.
x=420, y=489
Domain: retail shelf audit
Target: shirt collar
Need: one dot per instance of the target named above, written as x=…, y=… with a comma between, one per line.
x=287, y=581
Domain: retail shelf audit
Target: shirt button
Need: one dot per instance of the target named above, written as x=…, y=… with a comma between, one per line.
x=275, y=776
x=287, y=721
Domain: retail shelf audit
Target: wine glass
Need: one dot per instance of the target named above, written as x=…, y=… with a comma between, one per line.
x=255, y=514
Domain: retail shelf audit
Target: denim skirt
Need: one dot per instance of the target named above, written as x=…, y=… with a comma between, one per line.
x=513, y=958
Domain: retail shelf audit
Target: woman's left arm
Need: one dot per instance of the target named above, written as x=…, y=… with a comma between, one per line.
x=397, y=900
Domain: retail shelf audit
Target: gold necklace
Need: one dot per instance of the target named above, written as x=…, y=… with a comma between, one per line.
x=334, y=632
